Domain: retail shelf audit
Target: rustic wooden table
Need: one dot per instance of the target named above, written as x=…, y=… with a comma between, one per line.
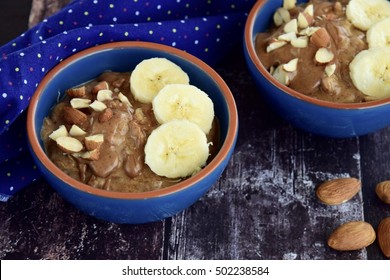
x=263, y=206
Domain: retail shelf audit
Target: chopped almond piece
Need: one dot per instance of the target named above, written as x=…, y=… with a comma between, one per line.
x=300, y=42
x=106, y=115
x=74, y=116
x=100, y=86
x=289, y=4
x=93, y=142
x=291, y=26
x=76, y=131
x=323, y=55
x=320, y=38
x=69, y=144
x=91, y=155
x=291, y=66
x=76, y=92
x=275, y=45
x=104, y=94
x=329, y=69
x=98, y=106
x=79, y=103
x=60, y=131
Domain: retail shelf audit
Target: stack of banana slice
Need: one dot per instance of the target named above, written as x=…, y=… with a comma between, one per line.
x=370, y=69
x=177, y=148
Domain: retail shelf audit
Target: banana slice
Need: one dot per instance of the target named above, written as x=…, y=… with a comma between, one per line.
x=176, y=149
x=379, y=34
x=370, y=72
x=188, y=102
x=363, y=14
x=151, y=75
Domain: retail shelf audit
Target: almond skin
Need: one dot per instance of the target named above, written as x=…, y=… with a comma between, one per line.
x=338, y=191
x=384, y=236
x=106, y=115
x=76, y=92
x=74, y=116
x=351, y=236
x=69, y=144
x=101, y=85
x=320, y=38
x=382, y=189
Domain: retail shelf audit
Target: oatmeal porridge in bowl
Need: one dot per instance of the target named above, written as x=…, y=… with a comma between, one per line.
x=126, y=142
x=318, y=63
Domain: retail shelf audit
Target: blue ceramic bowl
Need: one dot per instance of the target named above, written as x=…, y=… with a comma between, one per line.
x=119, y=207
x=307, y=113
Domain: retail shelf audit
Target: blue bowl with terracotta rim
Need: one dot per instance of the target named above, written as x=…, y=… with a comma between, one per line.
x=331, y=119
x=121, y=207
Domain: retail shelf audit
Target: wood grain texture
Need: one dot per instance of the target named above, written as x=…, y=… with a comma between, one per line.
x=264, y=205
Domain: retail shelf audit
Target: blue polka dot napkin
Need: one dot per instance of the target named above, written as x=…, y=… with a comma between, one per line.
x=204, y=28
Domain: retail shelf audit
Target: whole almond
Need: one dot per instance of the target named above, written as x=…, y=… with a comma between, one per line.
x=337, y=191
x=320, y=38
x=383, y=191
x=74, y=116
x=384, y=236
x=351, y=236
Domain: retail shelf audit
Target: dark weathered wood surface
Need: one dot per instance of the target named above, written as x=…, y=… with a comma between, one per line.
x=263, y=206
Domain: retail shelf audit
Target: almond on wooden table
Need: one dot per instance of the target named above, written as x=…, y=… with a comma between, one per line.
x=351, y=236
x=337, y=191
x=382, y=189
x=384, y=236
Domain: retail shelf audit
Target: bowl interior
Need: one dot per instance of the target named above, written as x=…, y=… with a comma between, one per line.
x=124, y=56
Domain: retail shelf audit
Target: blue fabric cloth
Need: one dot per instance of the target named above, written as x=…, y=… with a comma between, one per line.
x=204, y=28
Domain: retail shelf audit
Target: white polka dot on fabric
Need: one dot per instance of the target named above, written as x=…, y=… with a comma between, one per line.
x=4, y=95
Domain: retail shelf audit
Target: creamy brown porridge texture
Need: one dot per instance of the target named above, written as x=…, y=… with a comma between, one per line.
x=119, y=164
x=310, y=78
